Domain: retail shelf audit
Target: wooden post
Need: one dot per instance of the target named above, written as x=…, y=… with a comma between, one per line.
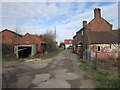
x=96, y=60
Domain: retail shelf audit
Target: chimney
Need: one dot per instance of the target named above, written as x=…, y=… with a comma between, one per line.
x=97, y=13
x=84, y=24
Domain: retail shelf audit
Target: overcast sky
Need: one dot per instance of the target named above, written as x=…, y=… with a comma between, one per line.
x=38, y=17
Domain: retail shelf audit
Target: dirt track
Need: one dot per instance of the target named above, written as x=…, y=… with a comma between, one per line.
x=61, y=71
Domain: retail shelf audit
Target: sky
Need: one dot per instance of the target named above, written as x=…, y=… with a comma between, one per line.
x=67, y=17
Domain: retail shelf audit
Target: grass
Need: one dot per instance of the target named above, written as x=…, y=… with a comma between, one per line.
x=106, y=76
x=86, y=77
x=10, y=57
x=52, y=54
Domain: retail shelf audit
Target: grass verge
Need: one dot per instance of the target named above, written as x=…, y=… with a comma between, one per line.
x=52, y=54
x=107, y=77
x=10, y=57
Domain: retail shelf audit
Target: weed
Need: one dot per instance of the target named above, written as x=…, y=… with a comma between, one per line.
x=52, y=54
x=10, y=57
x=86, y=77
x=106, y=76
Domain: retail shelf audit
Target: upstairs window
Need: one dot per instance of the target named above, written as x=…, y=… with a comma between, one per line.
x=82, y=33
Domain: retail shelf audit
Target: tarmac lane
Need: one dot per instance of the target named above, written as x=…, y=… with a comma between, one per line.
x=61, y=71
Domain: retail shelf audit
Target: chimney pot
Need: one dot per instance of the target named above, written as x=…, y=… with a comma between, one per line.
x=84, y=24
x=97, y=13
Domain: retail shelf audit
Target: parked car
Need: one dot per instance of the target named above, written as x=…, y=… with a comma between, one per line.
x=70, y=47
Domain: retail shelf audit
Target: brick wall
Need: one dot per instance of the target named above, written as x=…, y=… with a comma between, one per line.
x=106, y=50
x=31, y=39
x=98, y=23
x=9, y=38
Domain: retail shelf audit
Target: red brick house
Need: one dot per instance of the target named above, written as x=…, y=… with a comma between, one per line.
x=31, y=39
x=22, y=46
x=98, y=23
x=9, y=37
x=68, y=42
x=29, y=45
x=103, y=44
x=98, y=37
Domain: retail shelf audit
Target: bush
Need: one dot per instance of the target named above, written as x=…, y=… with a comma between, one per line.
x=7, y=48
x=49, y=38
x=10, y=57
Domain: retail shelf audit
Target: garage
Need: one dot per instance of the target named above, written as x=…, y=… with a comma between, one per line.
x=24, y=51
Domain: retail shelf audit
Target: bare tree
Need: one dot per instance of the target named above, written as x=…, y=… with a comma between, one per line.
x=49, y=38
x=17, y=29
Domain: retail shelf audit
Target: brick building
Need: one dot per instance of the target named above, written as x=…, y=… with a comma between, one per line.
x=98, y=37
x=9, y=37
x=68, y=42
x=98, y=23
x=103, y=44
x=22, y=46
x=29, y=45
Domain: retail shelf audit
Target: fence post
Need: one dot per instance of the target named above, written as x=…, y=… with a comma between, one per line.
x=95, y=60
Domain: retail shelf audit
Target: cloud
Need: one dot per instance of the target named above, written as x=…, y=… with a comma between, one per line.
x=34, y=17
x=59, y=1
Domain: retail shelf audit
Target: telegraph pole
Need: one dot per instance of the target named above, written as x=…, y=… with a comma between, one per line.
x=55, y=33
x=55, y=38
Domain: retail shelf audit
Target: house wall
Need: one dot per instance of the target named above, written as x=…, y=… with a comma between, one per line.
x=28, y=39
x=106, y=50
x=9, y=37
x=99, y=24
x=41, y=47
x=38, y=46
x=67, y=45
x=74, y=43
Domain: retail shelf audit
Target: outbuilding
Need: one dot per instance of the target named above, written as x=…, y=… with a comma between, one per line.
x=29, y=45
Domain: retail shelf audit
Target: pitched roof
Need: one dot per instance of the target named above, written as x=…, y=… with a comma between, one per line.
x=100, y=19
x=103, y=37
x=74, y=36
x=68, y=41
x=32, y=38
x=11, y=32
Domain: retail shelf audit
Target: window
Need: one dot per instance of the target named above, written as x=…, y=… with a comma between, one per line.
x=110, y=46
x=98, y=48
x=27, y=41
x=82, y=33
